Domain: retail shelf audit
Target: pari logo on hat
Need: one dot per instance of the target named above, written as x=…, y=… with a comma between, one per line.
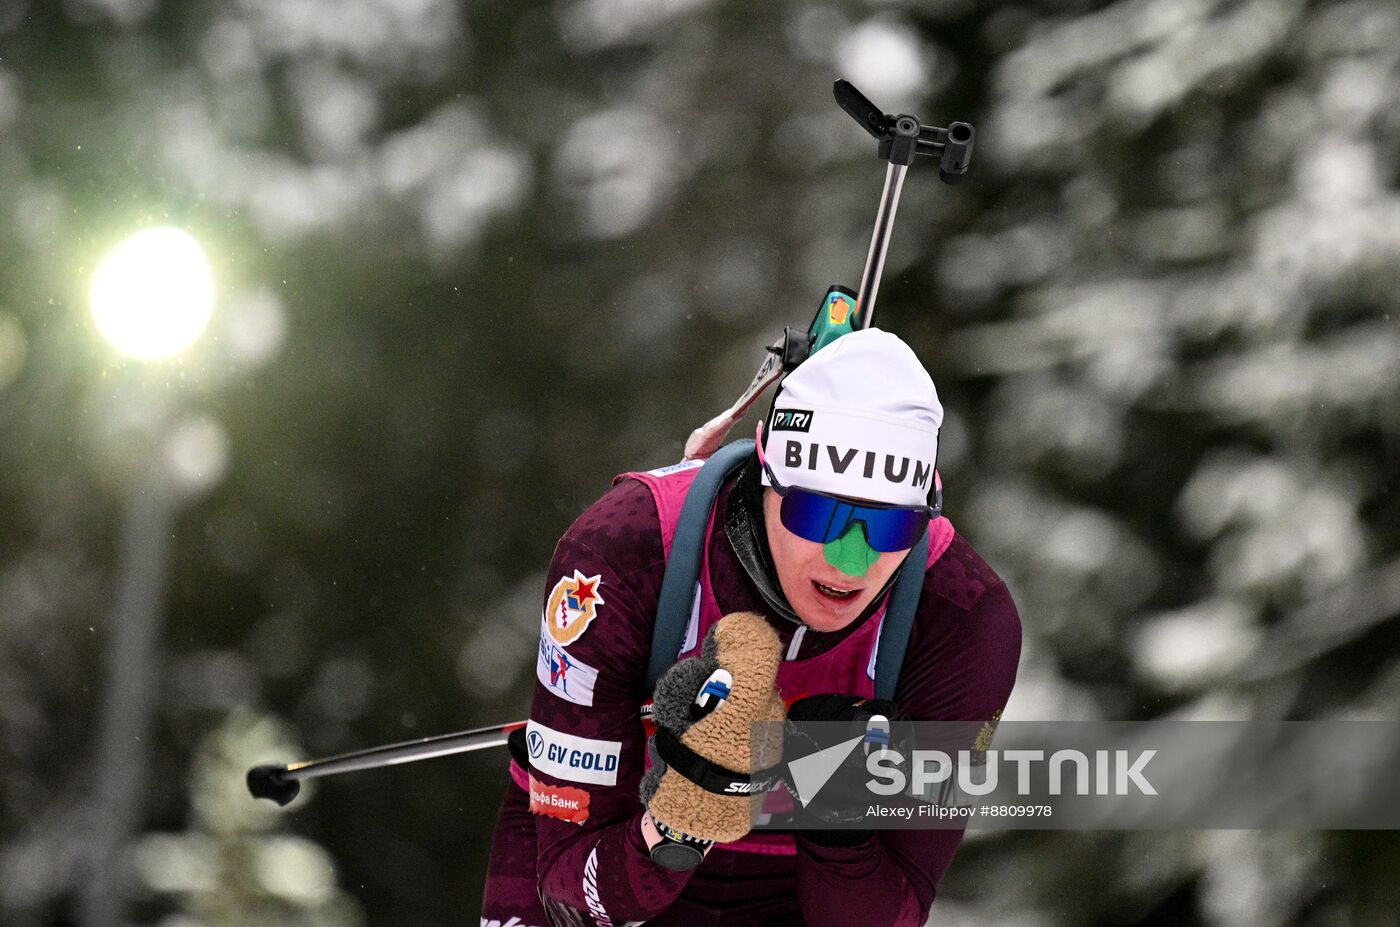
x=791, y=420
x=867, y=417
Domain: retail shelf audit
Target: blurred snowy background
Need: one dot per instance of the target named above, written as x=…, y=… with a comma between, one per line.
x=473, y=258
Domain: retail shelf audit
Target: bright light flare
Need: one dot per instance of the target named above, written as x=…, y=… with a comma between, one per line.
x=152, y=296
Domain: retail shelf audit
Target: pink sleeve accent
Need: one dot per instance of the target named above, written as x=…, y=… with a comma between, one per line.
x=940, y=535
x=668, y=490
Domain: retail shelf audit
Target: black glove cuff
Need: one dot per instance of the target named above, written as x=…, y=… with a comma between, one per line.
x=515, y=741
x=709, y=776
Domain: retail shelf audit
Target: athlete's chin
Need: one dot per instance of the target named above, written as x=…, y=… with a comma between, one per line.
x=824, y=624
x=820, y=614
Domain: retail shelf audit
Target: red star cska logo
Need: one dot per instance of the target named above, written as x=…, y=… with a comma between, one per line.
x=572, y=605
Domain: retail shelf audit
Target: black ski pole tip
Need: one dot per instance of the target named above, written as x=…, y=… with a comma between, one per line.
x=271, y=782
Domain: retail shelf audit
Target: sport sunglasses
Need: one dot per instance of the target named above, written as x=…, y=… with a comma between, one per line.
x=821, y=517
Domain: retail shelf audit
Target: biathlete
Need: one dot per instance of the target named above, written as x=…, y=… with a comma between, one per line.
x=804, y=545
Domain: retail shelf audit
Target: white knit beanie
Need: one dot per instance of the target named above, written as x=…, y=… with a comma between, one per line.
x=859, y=418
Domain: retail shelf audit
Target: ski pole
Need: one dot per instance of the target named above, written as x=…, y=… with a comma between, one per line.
x=281, y=782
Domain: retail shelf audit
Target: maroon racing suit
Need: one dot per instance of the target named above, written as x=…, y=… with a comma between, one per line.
x=569, y=827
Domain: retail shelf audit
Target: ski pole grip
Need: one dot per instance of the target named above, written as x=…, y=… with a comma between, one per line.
x=271, y=782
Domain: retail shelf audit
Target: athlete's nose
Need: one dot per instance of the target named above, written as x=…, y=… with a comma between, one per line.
x=851, y=553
